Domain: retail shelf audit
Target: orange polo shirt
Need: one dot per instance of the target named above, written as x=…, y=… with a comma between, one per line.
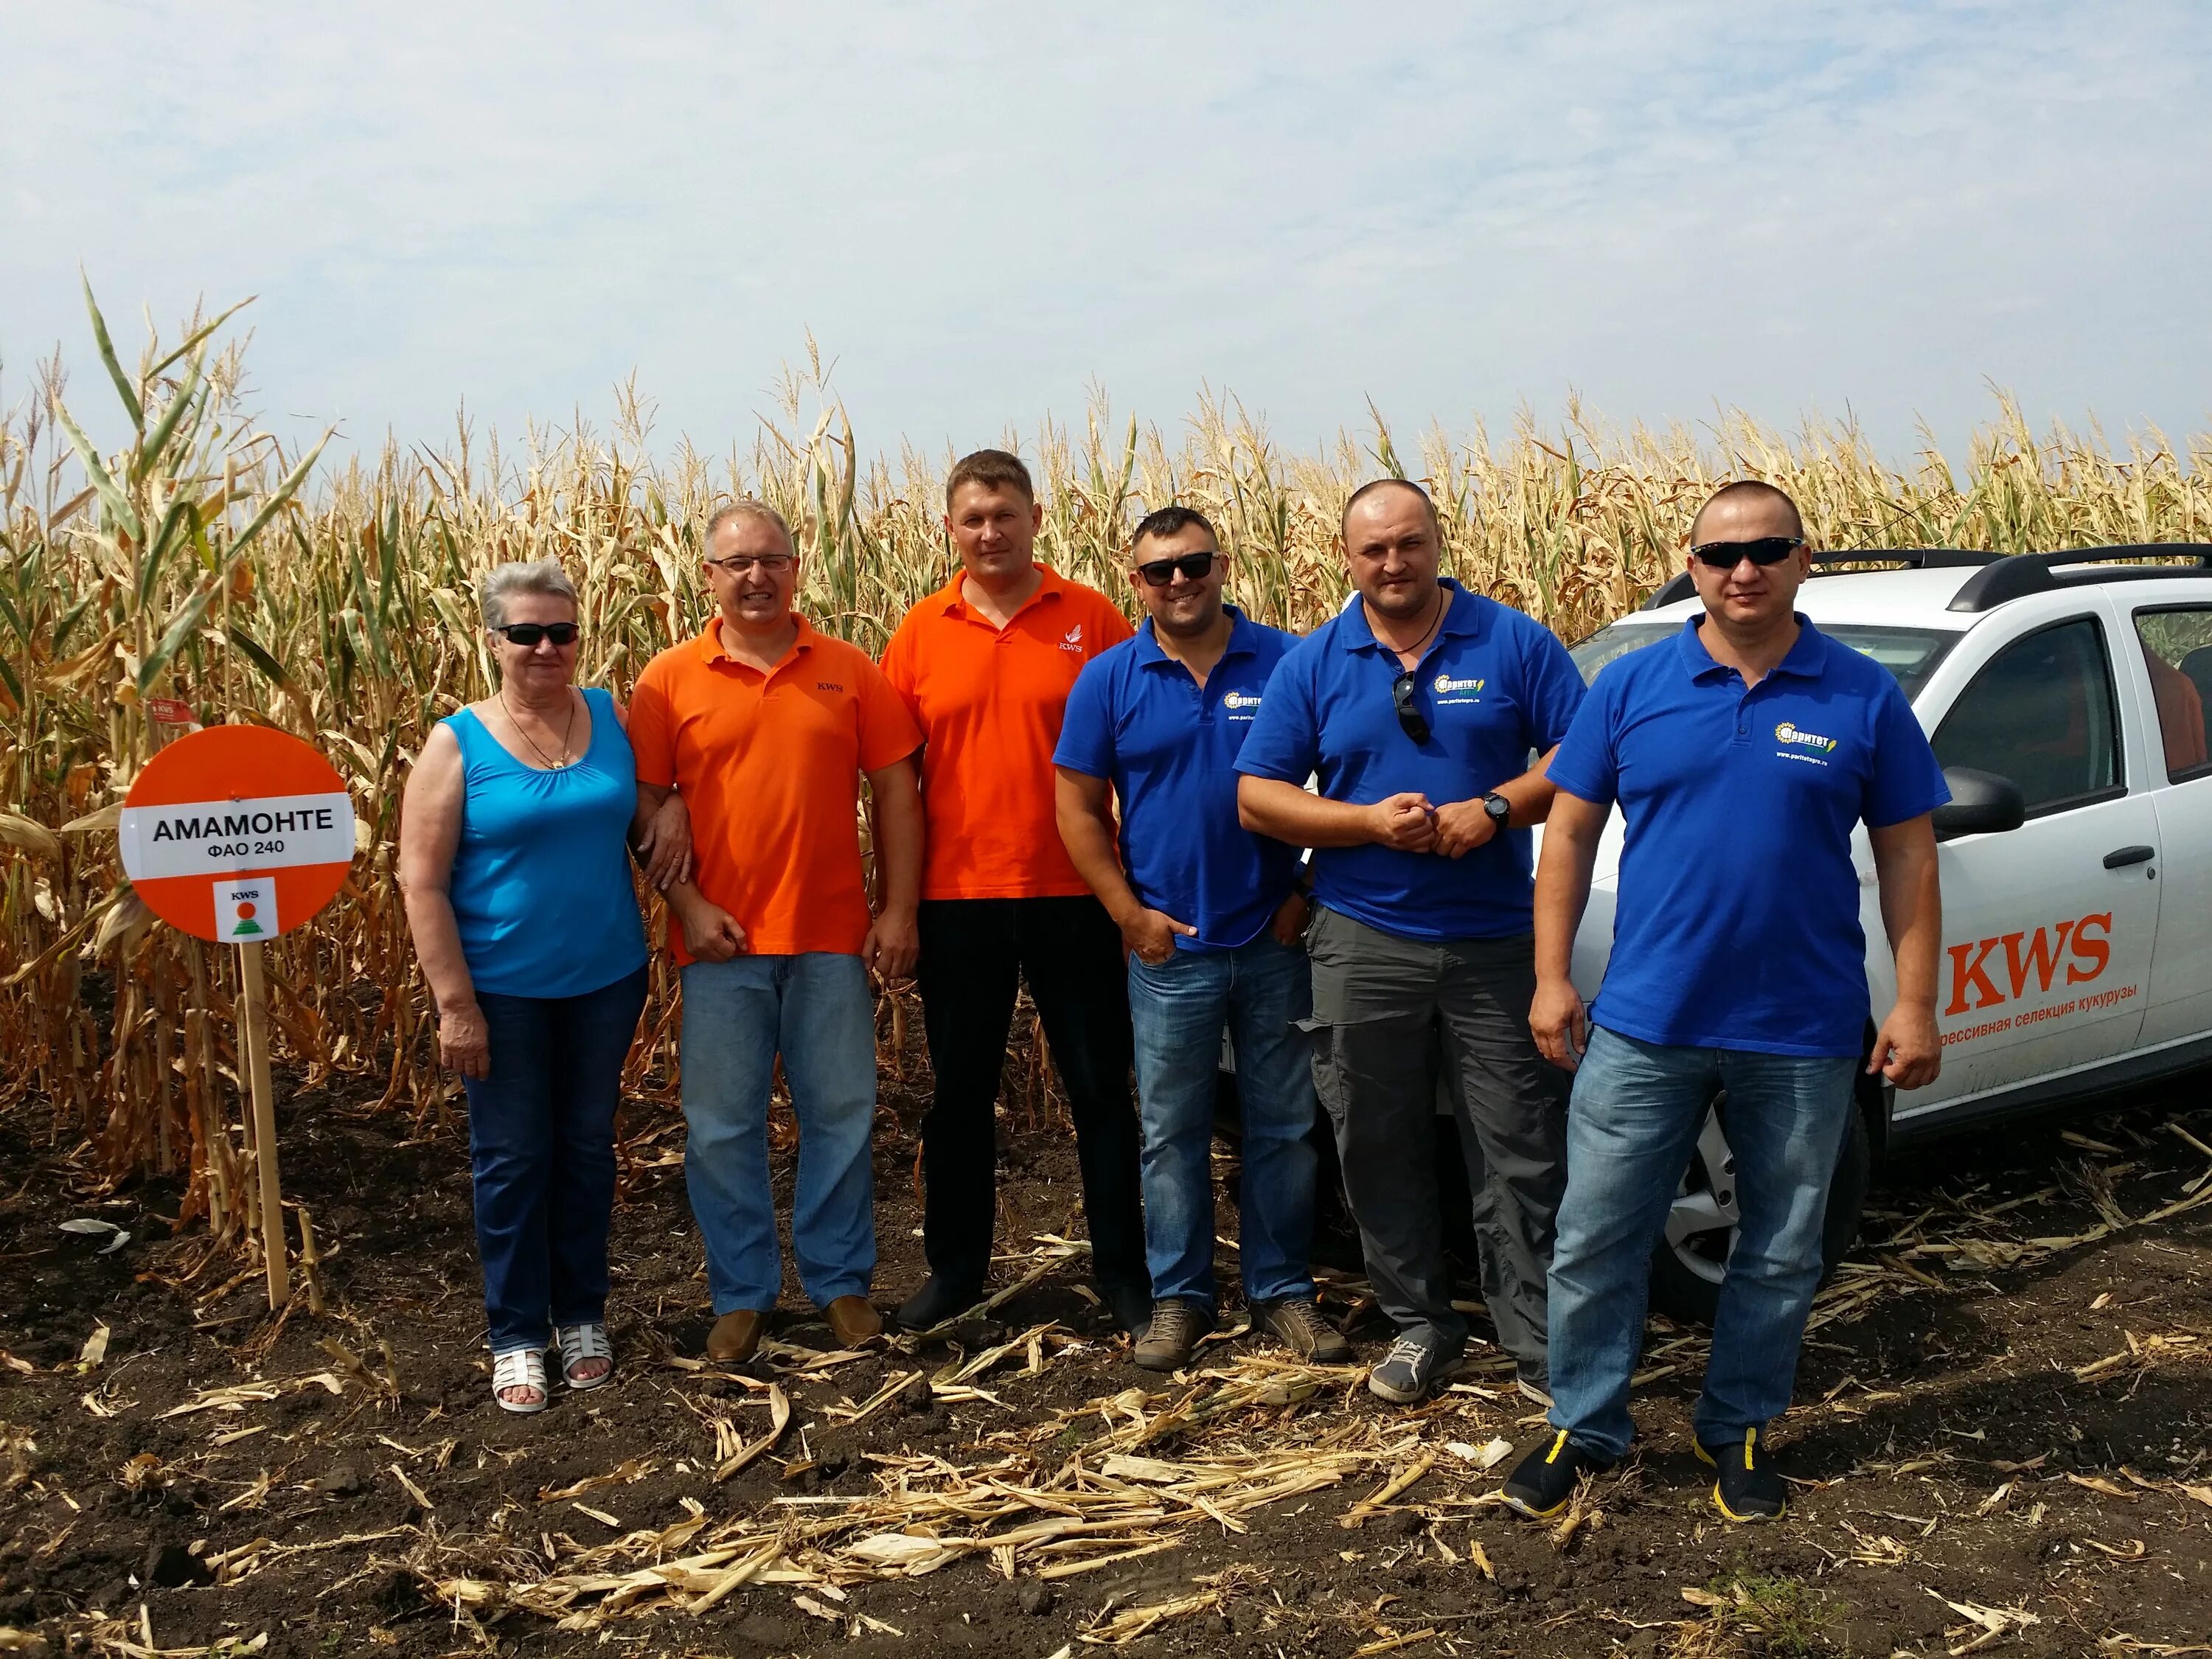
x=770, y=765
x=989, y=700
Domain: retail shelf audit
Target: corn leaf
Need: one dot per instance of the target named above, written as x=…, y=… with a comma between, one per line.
x=123, y=387
x=263, y=660
x=284, y=493
x=157, y=440
x=119, y=505
x=180, y=629
x=185, y=345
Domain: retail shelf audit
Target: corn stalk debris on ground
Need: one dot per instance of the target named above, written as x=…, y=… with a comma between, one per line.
x=1238, y=1445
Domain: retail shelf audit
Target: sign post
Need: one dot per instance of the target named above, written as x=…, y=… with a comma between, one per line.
x=237, y=834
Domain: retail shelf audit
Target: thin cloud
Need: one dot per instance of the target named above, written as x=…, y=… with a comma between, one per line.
x=983, y=210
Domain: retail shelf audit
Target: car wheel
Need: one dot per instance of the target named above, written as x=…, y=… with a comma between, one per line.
x=1692, y=1257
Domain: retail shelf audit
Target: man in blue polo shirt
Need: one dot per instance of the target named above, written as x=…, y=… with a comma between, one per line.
x=1743, y=752
x=1417, y=708
x=1212, y=916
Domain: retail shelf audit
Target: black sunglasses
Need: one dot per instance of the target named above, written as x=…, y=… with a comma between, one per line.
x=1767, y=549
x=1191, y=567
x=1411, y=720
x=527, y=635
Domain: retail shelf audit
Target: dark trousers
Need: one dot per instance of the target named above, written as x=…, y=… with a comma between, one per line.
x=1392, y=1018
x=974, y=954
x=541, y=1141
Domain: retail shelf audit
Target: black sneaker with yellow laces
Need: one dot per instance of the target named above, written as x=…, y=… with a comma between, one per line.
x=1543, y=1479
x=1745, y=1486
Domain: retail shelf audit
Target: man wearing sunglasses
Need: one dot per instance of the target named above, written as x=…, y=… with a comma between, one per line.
x=767, y=727
x=1743, y=753
x=1212, y=918
x=1418, y=710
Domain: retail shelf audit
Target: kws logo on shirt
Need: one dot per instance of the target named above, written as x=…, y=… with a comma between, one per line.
x=1241, y=702
x=1073, y=639
x=1460, y=691
x=1788, y=733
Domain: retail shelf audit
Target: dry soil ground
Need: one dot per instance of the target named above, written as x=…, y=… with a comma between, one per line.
x=2004, y=1437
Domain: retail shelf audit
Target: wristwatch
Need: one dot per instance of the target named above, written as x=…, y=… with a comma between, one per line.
x=1499, y=808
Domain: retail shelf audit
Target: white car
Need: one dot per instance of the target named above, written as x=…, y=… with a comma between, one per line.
x=2066, y=695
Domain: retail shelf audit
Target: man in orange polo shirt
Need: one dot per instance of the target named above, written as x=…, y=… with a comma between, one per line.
x=767, y=727
x=986, y=664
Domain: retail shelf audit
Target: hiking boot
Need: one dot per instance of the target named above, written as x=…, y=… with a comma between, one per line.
x=1132, y=1308
x=736, y=1336
x=1412, y=1369
x=1745, y=1486
x=853, y=1322
x=938, y=1300
x=1169, y=1336
x=1296, y=1321
x=1543, y=1481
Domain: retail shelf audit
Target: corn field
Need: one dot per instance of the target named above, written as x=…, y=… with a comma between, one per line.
x=205, y=564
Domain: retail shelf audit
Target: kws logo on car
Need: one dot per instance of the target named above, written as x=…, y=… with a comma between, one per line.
x=2084, y=944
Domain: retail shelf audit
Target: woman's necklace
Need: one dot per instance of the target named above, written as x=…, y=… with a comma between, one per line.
x=567, y=731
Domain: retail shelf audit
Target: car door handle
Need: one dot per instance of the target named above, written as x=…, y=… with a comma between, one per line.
x=2119, y=858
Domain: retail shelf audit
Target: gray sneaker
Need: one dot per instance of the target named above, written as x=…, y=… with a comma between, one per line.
x=1538, y=1389
x=1412, y=1369
x=1175, y=1330
x=1296, y=1321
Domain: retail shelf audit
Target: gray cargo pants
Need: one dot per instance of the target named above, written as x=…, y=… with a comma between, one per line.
x=1381, y=1005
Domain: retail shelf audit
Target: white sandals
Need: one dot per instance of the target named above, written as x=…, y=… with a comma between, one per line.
x=519, y=1368
x=524, y=1368
x=580, y=1343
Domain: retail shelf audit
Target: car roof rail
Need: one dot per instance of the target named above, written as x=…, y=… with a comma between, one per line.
x=1680, y=587
x=2018, y=575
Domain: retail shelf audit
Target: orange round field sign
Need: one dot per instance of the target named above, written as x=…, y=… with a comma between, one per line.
x=237, y=833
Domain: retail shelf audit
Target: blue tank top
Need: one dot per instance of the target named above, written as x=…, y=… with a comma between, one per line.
x=541, y=883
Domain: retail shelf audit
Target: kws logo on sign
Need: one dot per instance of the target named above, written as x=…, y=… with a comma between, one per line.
x=246, y=909
x=1788, y=733
x=1464, y=689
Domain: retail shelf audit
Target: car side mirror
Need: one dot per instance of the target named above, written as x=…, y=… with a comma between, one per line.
x=1981, y=804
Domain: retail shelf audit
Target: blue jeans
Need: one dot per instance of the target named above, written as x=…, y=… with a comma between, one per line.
x=1178, y=1010
x=1637, y=1110
x=541, y=1149
x=816, y=1011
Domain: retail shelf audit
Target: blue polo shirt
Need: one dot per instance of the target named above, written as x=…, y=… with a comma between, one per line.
x=1737, y=921
x=1493, y=685
x=1169, y=745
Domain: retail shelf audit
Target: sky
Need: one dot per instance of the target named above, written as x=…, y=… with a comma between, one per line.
x=981, y=211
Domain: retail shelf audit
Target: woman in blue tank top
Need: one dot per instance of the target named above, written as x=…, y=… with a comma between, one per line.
x=513, y=855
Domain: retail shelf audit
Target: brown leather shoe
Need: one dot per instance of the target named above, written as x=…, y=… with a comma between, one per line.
x=853, y=1321
x=736, y=1336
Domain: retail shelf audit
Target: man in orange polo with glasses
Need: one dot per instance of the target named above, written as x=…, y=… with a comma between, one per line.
x=986, y=664
x=768, y=728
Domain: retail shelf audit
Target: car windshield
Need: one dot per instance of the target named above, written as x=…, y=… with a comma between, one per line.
x=1910, y=653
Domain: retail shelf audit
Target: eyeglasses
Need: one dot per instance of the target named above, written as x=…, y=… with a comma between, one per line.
x=1191, y=567
x=1411, y=720
x=1767, y=549
x=527, y=635
x=739, y=564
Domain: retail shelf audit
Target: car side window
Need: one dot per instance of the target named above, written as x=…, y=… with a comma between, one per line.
x=2043, y=714
x=2177, y=647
